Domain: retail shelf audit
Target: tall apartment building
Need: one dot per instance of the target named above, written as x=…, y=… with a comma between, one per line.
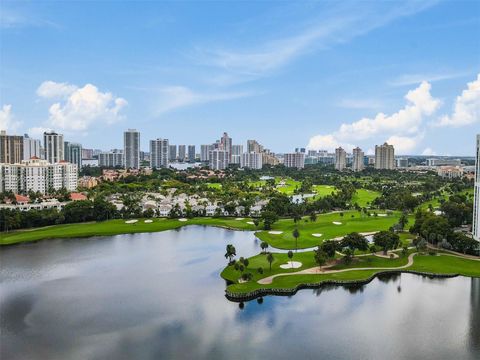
x=384, y=157
x=73, y=153
x=476, y=195
x=31, y=148
x=340, y=159
x=182, y=152
x=53, y=146
x=172, y=153
x=254, y=146
x=131, y=149
x=218, y=159
x=159, y=150
x=226, y=144
x=204, y=152
x=237, y=151
x=251, y=160
x=38, y=175
x=191, y=153
x=294, y=160
x=87, y=154
x=111, y=159
x=401, y=162
x=11, y=148
x=358, y=159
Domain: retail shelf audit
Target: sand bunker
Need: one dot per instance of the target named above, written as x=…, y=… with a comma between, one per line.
x=148, y=221
x=336, y=223
x=250, y=222
x=239, y=219
x=317, y=235
x=275, y=232
x=131, y=221
x=182, y=219
x=382, y=215
x=291, y=265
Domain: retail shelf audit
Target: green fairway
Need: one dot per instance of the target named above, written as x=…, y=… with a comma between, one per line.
x=350, y=221
x=287, y=186
x=323, y=190
x=364, y=197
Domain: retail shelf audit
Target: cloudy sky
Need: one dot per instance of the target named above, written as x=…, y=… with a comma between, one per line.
x=315, y=74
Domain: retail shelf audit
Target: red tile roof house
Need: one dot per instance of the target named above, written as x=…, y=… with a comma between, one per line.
x=21, y=200
x=77, y=196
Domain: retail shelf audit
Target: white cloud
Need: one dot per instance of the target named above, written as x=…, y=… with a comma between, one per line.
x=414, y=79
x=466, y=109
x=80, y=108
x=429, y=152
x=175, y=97
x=7, y=120
x=401, y=127
x=328, y=142
x=404, y=144
x=54, y=90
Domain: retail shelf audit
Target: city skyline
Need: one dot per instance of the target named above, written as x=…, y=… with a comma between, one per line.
x=204, y=83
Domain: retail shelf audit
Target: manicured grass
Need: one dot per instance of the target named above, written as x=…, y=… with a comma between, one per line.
x=364, y=197
x=115, y=227
x=322, y=191
x=324, y=225
x=289, y=187
x=214, y=185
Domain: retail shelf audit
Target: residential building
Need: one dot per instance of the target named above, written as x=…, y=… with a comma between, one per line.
x=191, y=153
x=54, y=147
x=444, y=162
x=31, y=148
x=11, y=148
x=218, y=159
x=476, y=195
x=182, y=150
x=87, y=154
x=204, y=152
x=38, y=175
x=73, y=153
x=358, y=159
x=402, y=162
x=172, y=153
x=159, y=149
x=384, y=157
x=251, y=160
x=340, y=159
x=254, y=146
x=87, y=182
x=237, y=151
x=226, y=144
x=294, y=160
x=111, y=159
x=450, y=172
x=302, y=150
x=131, y=149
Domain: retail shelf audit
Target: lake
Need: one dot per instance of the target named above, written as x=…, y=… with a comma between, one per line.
x=159, y=296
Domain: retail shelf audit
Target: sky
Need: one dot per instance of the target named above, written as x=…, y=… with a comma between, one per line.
x=315, y=74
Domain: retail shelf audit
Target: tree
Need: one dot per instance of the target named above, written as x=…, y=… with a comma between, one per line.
x=348, y=256
x=355, y=241
x=387, y=240
x=320, y=256
x=329, y=247
x=270, y=260
x=402, y=221
x=290, y=256
x=264, y=246
x=313, y=216
x=296, y=235
x=230, y=253
x=269, y=218
x=256, y=222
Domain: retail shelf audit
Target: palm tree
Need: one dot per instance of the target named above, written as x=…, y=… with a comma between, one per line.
x=270, y=260
x=313, y=217
x=296, y=235
x=290, y=256
x=264, y=246
x=231, y=252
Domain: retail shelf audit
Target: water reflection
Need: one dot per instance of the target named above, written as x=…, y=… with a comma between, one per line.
x=156, y=296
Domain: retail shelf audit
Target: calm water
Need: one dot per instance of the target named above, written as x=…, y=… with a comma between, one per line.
x=155, y=296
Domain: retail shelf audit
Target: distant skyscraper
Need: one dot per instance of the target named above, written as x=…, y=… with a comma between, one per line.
x=159, y=149
x=54, y=147
x=172, y=153
x=384, y=157
x=204, y=152
x=294, y=160
x=237, y=151
x=191, y=153
x=218, y=159
x=254, y=146
x=358, y=159
x=226, y=144
x=340, y=159
x=182, y=152
x=31, y=148
x=131, y=149
x=11, y=148
x=251, y=160
x=476, y=200
x=111, y=159
x=73, y=153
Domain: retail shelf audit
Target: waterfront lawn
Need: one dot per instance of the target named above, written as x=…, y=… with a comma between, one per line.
x=324, y=225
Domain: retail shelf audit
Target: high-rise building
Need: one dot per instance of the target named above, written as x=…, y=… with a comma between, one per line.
x=254, y=146
x=302, y=150
x=172, y=153
x=182, y=152
x=401, y=162
x=358, y=159
x=87, y=154
x=73, y=153
x=11, y=148
x=204, y=152
x=226, y=144
x=340, y=159
x=237, y=151
x=191, y=153
x=38, y=175
x=31, y=148
x=159, y=149
x=131, y=149
x=476, y=195
x=54, y=147
x=111, y=159
x=384, y=157
x=294, y=160
x=251, y=160
x=218, y=159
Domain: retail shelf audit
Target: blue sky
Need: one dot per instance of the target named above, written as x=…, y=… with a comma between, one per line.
x=316, y=74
